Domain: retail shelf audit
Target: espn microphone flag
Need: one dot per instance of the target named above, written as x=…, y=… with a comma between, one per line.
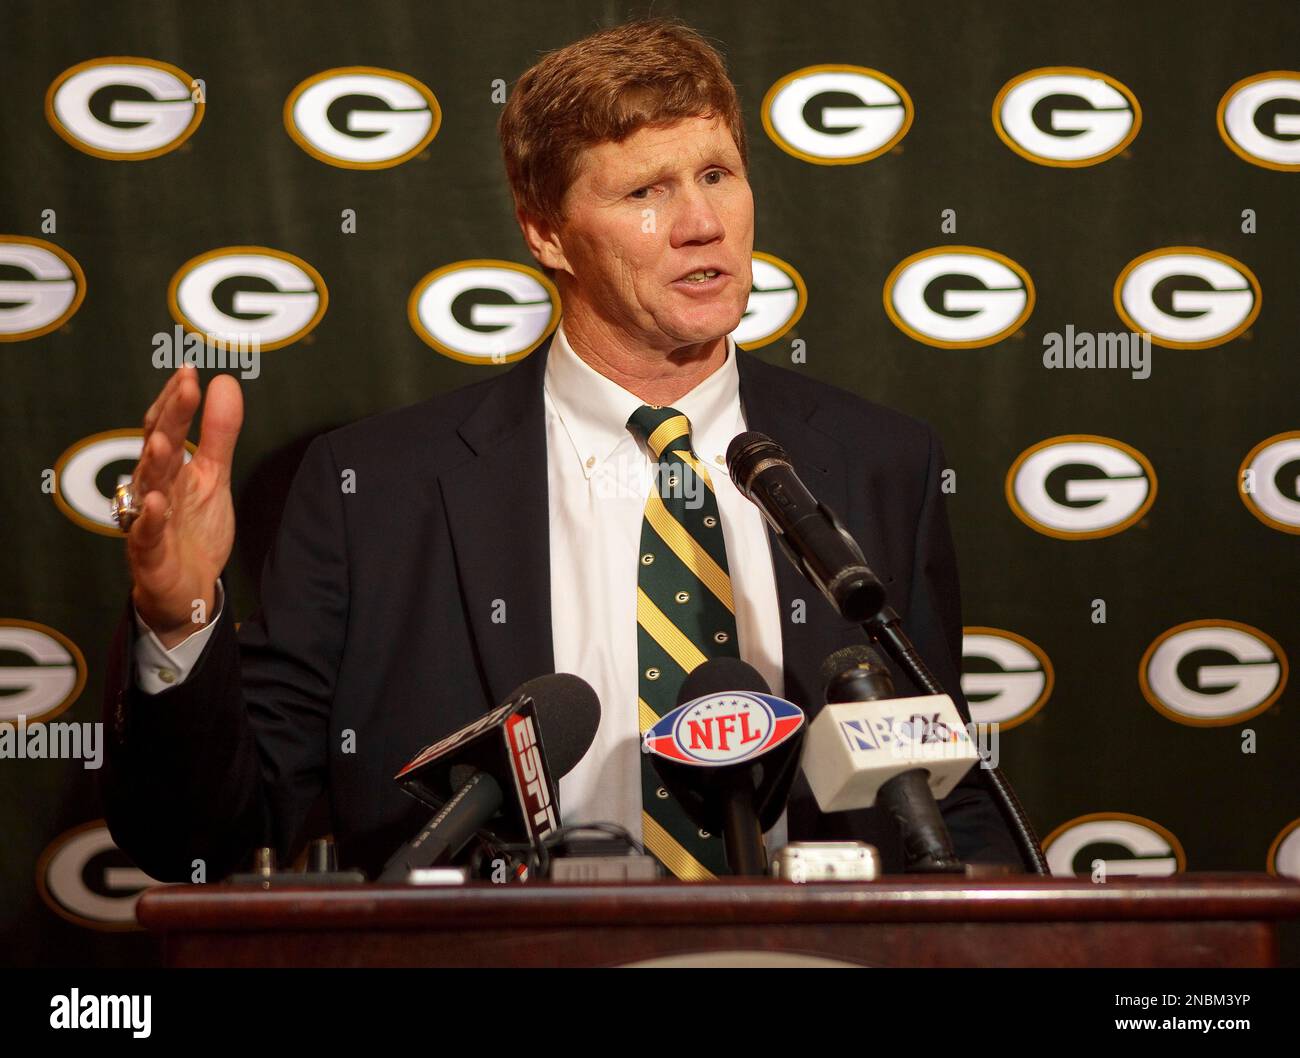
x=503, y=744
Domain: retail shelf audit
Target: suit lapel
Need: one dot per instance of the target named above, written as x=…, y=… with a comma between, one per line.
x=499, y=518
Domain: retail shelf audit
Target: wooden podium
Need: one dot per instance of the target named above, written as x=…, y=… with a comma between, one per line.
x=1188, y=920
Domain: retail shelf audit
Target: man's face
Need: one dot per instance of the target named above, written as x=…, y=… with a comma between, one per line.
x=644, y=213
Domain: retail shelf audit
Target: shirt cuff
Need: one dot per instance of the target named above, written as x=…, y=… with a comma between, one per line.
x=157, y=669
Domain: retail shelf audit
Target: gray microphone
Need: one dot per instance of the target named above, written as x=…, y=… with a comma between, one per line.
x=870, y=747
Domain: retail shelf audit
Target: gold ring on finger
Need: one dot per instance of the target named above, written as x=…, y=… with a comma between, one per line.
x=124, y=507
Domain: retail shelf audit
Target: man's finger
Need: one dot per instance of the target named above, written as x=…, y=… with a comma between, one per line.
x=145, y=536
x=151, y=416
x=177, y=410
x=153, y=461
x=164, y=461
x=223, y=415
x=170, y=418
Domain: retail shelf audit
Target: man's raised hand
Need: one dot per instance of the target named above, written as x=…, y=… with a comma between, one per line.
x=179, y=543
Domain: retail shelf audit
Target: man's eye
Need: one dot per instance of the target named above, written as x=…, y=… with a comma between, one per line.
x=716, y=172
x=638, y=192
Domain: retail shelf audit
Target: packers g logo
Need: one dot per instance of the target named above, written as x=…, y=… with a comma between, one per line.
x=51, y=677
x=86, y=475
x=1284, y=853
x=151, y=108
x=1006, y=679
x=1269, y=482
x=1212, y=673
x=1113, y=845
x=1211, y=298
x=325, y=116
x=1259, y=119
x=1080, y=486
x=777, y=299
x=85, y=878
x=958, y=297
x=283, y=297
x=32, y=307
x=484, y=311
x=864, y=114
x=1066, y=116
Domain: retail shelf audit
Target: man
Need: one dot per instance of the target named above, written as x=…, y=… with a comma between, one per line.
x=572, y=515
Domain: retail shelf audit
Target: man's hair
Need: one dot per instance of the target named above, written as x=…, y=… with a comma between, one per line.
x=607, y=86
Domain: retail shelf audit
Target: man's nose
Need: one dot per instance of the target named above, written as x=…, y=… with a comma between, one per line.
x=699, y=219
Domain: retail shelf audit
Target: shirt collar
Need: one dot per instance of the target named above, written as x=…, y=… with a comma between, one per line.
x=594, y=409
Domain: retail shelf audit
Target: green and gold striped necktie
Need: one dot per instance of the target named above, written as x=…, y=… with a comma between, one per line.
x=685, y=615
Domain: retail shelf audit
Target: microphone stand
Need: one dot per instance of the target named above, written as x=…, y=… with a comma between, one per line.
x=842, y=575
x=886, y=628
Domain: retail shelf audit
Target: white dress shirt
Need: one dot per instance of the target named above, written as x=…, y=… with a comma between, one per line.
x=600, y=474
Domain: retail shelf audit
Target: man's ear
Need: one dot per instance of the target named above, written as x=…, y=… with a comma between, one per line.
x=543, y=241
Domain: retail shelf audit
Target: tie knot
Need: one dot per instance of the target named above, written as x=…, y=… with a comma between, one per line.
x=661, y=427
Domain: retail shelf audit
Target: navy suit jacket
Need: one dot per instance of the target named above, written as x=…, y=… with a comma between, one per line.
x=375, y=633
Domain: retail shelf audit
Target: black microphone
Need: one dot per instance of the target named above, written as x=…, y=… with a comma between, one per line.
x=809, y=532
x=859, y=674
x=497, y=771
x=729, y=753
